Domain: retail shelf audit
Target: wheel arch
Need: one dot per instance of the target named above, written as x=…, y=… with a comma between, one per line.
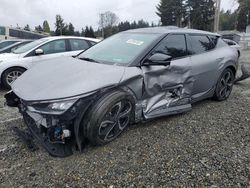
x=6, y=69
x=79, y=124
x=232, y=68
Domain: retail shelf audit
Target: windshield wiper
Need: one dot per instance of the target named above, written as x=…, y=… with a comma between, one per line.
x=88, y=59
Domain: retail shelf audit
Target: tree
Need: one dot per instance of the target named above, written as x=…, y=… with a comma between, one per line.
x=89, y=32
x=171, y=12
x=107, y=21
x=227, y=20
x=200, y=13
x=61, y=27
x=27, y=27
x=39, y=28
x=243, y=14
x=46, y=27
x=71, y=29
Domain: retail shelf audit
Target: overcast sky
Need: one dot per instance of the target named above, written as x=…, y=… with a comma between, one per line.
x=79, y=12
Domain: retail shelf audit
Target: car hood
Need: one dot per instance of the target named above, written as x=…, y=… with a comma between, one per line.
x=65, y=77
x=7, y=56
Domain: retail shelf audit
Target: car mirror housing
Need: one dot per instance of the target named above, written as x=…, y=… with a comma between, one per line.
x=39, y=51
x=158, y=59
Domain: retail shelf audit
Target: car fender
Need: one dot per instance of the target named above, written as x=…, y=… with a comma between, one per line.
x=14, y=63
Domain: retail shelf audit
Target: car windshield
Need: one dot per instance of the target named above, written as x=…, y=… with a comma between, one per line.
x=120, y=49
x=29, y=46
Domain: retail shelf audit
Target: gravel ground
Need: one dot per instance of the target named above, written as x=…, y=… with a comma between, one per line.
x=207, y=147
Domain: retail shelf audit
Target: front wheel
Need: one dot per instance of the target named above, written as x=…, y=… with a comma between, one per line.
x=10, y=75
x=109, y=117
x=224, y=85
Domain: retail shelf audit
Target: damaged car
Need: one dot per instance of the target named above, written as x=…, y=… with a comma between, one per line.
x=133, y=76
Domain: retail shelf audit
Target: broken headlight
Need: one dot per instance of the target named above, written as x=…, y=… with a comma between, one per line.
x=52, y=107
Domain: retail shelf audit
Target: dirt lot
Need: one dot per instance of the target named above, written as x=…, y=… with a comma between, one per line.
x=207, y=147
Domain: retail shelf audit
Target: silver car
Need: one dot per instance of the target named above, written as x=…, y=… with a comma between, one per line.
x=130, y=77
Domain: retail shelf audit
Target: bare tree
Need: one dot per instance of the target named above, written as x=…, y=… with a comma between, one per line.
x=107, y=19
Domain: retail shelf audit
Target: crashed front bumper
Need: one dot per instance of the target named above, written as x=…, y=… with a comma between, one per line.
x=58, y=148
x=61, y=134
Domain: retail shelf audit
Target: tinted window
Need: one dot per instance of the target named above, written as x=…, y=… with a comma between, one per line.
x=2, y=31
x=77, y=44
x=93, y=43
x=6, y=43
x=214, y=40
x=173, y=45
x=56, y=46
x=200, y=44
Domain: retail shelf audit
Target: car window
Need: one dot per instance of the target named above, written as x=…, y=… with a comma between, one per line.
x=214, y=40
x=173, y=45
x=56, y=46
x=6, y=43
x=200, y=44
x=30, y=46
x=77, y=44
x=93, y=43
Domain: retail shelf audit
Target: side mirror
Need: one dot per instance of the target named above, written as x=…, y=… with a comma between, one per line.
x=158, y=59
x=39, y=51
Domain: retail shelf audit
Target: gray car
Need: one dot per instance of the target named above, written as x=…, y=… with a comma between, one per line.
x=130, y=77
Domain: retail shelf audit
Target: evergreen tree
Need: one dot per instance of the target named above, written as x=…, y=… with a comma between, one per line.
x=201, y=14
x=61, y=27
x=27, y=27
x=243, y=14
x=46, y=27
x=39, y=28
x=227, y=20
x=71, y=29
x=171, y=12
x=91, y=32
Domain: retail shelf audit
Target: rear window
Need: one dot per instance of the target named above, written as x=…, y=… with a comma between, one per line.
x=201, y=44
x=77, y=44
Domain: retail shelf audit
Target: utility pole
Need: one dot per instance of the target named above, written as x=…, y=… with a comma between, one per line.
x=217, y=15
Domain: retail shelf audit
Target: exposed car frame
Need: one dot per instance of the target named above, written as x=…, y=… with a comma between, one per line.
x=147, y=88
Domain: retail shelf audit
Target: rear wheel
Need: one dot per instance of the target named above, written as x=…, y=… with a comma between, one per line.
x=224, y=85
x=10, y=75
x=109, y=118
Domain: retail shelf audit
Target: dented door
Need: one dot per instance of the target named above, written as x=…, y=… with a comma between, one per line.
x=168, y=89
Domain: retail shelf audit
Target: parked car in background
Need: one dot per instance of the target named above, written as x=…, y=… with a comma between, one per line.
x=13, y=65
x=233, y=44
x=130, y=77
x=6, y=43
x=14, y=46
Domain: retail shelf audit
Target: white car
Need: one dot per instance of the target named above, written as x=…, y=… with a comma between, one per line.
x=12, y=65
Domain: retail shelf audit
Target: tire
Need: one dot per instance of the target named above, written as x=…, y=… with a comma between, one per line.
x=224, y=85
x=10, y=75
x=109, y=117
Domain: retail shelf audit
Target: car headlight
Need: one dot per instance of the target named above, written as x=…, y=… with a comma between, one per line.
x=53, y=107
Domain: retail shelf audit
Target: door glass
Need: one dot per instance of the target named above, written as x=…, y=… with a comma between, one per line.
x=173, y=45
x=200, y=44
x=77, y=44
x=56, y=46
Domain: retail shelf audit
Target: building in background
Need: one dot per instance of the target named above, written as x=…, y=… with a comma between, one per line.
x=12, y=33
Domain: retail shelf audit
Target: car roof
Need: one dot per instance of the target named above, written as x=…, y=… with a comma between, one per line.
x=73, y=37
x=170, y=29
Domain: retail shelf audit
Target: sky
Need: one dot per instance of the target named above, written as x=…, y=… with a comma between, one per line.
x=79, y=12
